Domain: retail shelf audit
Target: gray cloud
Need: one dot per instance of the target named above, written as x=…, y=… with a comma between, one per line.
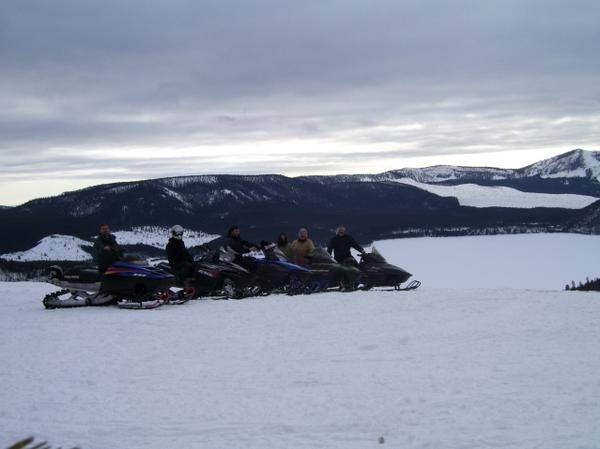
x=393, y=80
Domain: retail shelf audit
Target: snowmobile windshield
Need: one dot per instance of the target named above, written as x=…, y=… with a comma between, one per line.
x=136, y=259
x=320, y=255
x=277, y=254
x=212, y=256
x=254, y=254
x=227, y=254
x=374, y=256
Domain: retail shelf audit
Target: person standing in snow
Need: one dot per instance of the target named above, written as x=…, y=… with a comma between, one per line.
x=301, y=247
x=106, y=249
x=180, y=259
x=340, y=245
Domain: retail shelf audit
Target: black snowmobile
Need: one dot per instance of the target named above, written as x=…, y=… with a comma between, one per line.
x=253, y=274
x=327, y=273
x=129, y=285
x=377, y=272
x=216, y=275
x=274, y=273
x=250, y=280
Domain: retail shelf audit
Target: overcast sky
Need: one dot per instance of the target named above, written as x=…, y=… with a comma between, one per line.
x=102, y=91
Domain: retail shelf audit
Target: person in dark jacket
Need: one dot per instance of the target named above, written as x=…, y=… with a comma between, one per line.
x=236, y=243
x=284, y=245
x=106, y=249
x=240, y=246
x=340, y=245
x=180, y=259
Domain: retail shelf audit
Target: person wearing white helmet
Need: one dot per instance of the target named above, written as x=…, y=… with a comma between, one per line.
x=179, y=257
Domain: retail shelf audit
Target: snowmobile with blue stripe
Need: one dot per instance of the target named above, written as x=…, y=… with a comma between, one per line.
x=129, y=285
x=274, y=273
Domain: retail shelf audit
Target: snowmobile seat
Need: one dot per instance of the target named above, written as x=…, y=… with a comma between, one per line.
x=166, y=267
x=89, y=275
x=76, y=274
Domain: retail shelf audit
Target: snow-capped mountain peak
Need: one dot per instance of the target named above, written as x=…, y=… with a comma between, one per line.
x=574, y=164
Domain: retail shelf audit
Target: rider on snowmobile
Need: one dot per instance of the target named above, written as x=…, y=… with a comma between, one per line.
x=180, y=260
x=340, y=245
x=301, y=247
x=284, y=246
x=237, y=244
x=106, y=249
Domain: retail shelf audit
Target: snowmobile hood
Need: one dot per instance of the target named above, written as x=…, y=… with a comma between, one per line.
x=384, y=267
x=125, y=269
x=287, y=265
x=373, y=257
x=344, y=268
x=320, y=255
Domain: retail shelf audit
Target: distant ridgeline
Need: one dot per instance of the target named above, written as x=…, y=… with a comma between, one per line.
x=554, y=195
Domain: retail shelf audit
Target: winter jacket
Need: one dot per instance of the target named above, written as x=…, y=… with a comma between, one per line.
x=300, y=249
x=106, y=257
x=340, y=245
x=238, y=245
x=286, y=249
x=177, y=253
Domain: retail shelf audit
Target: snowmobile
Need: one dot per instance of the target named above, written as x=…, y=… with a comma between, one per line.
x=274, y=273
x=129, y=285
x=229, y=274
x=254, y=277
x=216, y=275
x=377, y=272
x=327, y=273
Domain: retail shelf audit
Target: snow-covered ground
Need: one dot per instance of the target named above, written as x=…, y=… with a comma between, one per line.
x=494, y=196
x=434, y=368
x=533, y=261
x=53, y=247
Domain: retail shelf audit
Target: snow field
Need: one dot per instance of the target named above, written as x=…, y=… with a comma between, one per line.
x=158, y=236
x=439, y=367
x=495, y=196
x=431, y=368
x=53, y=247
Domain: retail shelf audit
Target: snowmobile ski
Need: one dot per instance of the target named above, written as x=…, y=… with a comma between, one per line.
x=178, y=295
x=139, y=305
x=412, y=285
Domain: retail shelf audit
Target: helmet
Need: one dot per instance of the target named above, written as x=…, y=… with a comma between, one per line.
x=177, y=232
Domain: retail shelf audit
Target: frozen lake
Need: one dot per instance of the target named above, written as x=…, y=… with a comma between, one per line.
x=530, y=261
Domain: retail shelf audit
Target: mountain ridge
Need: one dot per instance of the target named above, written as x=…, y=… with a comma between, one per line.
x=374, y=206
x=429, y=174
